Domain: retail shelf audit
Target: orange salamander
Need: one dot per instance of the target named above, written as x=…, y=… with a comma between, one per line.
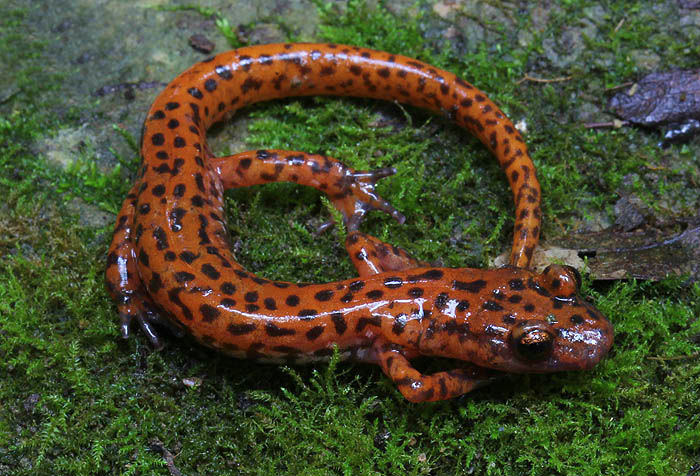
x=170, y=261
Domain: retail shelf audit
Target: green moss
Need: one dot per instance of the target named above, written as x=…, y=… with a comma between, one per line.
x=78, y=400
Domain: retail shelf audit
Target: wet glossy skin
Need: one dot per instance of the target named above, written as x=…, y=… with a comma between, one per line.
x=170, y=260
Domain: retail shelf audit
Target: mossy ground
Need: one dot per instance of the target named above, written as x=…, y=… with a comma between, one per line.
x=75, y=399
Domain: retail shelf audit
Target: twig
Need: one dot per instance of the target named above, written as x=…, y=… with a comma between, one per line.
x=158, y=445
x=619, y=25
x=527, y=77
x=675, y=357
x=620, y=86
x=602, y=125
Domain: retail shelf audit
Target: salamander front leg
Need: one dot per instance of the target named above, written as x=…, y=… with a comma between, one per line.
x=124, y=282
x=417, y=387
x=373, y=256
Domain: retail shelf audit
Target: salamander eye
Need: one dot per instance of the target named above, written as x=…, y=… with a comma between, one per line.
x=577, y=276
x=532, y=342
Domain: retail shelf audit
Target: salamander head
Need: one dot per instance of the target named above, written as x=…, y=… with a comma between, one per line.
x=527, y=322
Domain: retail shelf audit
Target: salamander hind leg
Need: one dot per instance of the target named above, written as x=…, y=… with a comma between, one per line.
x=417, y=387
x=373, y=256
x=352, y=192
x=124, y=282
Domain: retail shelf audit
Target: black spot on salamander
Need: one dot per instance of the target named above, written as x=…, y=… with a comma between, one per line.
x=202, y=232
x=240, y=329
x=452, y=327
x=210, y=85
x=179, y=190
x=224, y=72
x=577, y=319
x=498, y=294
x=183, y=276
x=275, y=331
x=324, y=295
x=197, y=201
x=508, y=319
x=250, y=83
x=170, y=256
x=227, y=288
x=516, y=284
x=200, y=182
x=430, y=275
x=475, y=286
x=441, y=301
x=374, y=294
x=254, y=351
x=195, y=93
x=251, y=296
x=399, y=324
x=286, y=349
x=158, y=139
x=161, y=238
x=173, y=296
x=367, y=321
x=210, y=272
x=314, y=332
x=209, y=313
x=463, y=83
x=143, y=257
x=537, y=288
x=529, y=307
x=158, y=190
x=156, y=283
x=292, y=300
x=270, y=304
x=415, y=292
x=492, y=306
x=515, y=298
x=307, y=314
x=188, y=257
x=393, y=282
x=175, y=216
x=339, y=323
x=356, y=286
